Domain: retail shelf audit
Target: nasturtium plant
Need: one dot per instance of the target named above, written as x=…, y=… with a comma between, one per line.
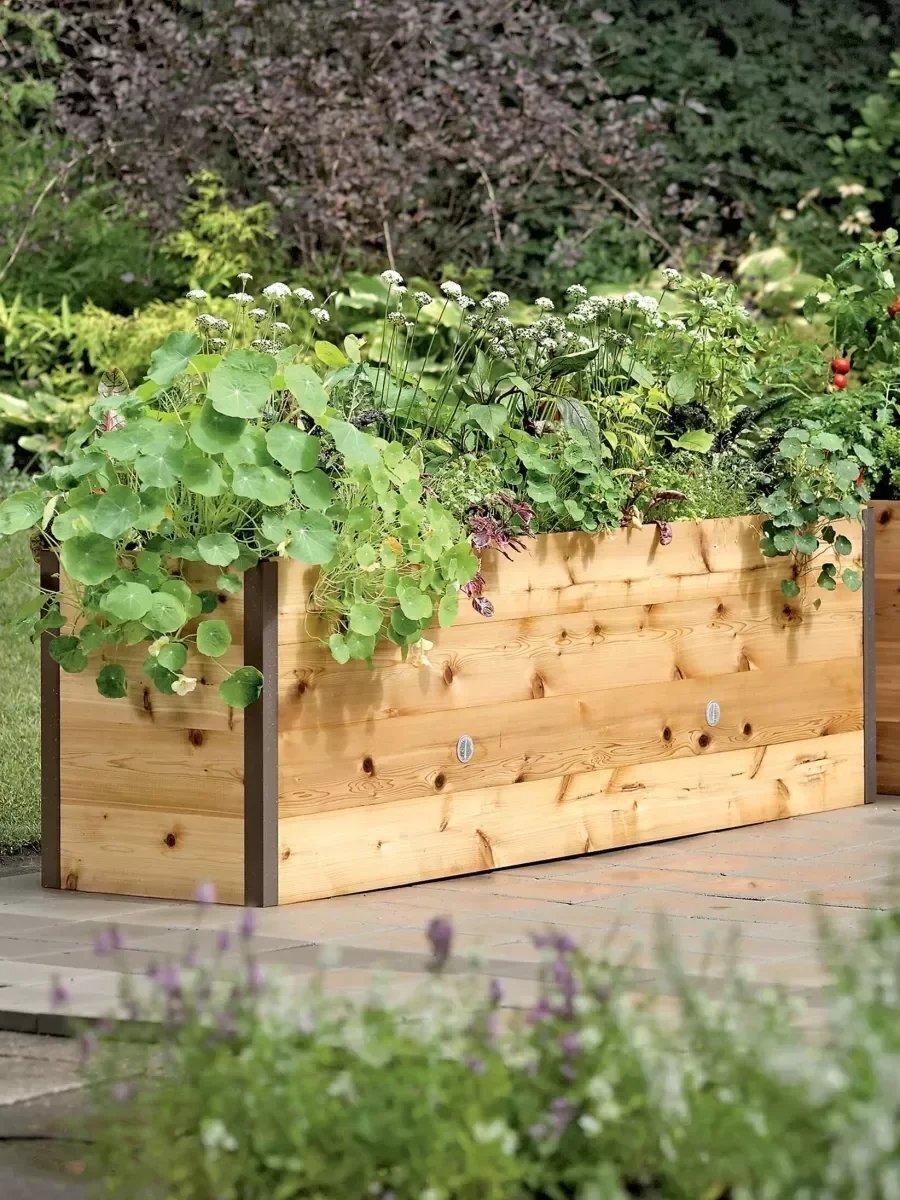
x=823, y=484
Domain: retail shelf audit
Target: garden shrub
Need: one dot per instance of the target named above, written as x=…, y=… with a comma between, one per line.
x=591, y=1092
x=495, y=136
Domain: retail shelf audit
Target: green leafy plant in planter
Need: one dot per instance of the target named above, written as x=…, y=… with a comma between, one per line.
x=215, y=460
x=822, y=484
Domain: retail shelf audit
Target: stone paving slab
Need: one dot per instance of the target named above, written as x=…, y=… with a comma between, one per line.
x=766, y=886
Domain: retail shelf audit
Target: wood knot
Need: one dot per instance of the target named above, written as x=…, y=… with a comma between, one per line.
x=71, y=883
x=195, y=737
x=439, y=781
x=302, y=685
x=598, y=629
x=222, y=597
x=747, y=730
x=703, y=740
x=884, y=516
x=720, y=609
x=146, y=702
x=447, y=674
x=368, y=765
x=285, y=854
x=667, y=734
x=537, y=687
x=170, y=839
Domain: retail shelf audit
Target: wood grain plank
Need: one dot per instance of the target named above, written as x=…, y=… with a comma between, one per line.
x=430, y=837
x=414, y=756
x=565, y=573
x=500, y=662
x=886, y=522
x=151, y=852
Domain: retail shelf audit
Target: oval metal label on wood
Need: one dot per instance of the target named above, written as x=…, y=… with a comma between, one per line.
x=713, y=712
x=465, y=748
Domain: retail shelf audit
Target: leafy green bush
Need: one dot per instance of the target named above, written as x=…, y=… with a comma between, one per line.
x=587, y=1093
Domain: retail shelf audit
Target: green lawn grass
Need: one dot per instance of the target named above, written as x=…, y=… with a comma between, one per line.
x=20, y=769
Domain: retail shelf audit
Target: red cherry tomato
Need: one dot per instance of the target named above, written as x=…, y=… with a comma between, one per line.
x=839, y=381
x=840, y=366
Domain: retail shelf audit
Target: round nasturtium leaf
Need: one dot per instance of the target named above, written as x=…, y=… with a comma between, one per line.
x=88, y=558
x=339, y=649
x=313, y=539
x=201, y=474
x=365, y=619
x=294, y=449
x=166, y=613
x=228, y=583
x=250, y=449
x=170, y=359
x=448, y=607
x=111, y=681
x=91, y=636
x=162, y=677
x=314, y=489
x=209, y=601
x=212, y=432
x=218, y=549
x=306, y=388
x=414, y=603
x=358, y=448
x=21, y=511
x=240, y=386
x=213, y=638
x=153, y=508
x=115, y=512
x=264, y=484
x=160, y=467
x=67, y=651
x=172, y=656
x=242, y=687
x=177, y=588
x=128, y=601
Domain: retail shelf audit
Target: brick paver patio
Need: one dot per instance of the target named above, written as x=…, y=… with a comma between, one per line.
x=765, y=884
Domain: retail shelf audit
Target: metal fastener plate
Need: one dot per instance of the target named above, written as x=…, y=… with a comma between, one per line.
x=465, y=748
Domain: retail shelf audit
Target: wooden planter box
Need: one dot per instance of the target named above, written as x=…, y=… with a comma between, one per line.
x=624, y=692
x=886, y=537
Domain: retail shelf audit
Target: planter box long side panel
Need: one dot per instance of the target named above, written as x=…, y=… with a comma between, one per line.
x=624, y=692
x=586, y=698
x=886, y=519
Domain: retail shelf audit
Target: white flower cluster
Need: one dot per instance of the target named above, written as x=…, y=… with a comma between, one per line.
x=671, y=275
x=392, y=278
x=208, y=321
x=241, y=298
x=422, y=298
x=451, y=290
x=577, y=291
x=320, y=315
x=258, y=314
x=276, y=291
x=495, y=301
x=197, y=294
x=266, y=345
x=304, y=295
x=544, y=303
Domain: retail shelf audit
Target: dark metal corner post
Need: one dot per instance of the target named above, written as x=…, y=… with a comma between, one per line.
x=50, y=865
x=869, y=665
x=261, y=738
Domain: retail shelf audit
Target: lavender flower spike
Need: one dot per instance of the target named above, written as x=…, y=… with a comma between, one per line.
x=440, y=938
x=205, y=893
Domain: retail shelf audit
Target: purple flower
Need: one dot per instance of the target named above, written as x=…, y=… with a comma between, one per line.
x=247, y=926
x=170, y=980
x=223, y=941
x=476, y=1065
x=440, y=938
x=540, y=1012
x=495, y=992
x=108, y=942
x=59, y=993
x=561, y=1112
x=254, y=975
x=570, y=1043
x=205, y=893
